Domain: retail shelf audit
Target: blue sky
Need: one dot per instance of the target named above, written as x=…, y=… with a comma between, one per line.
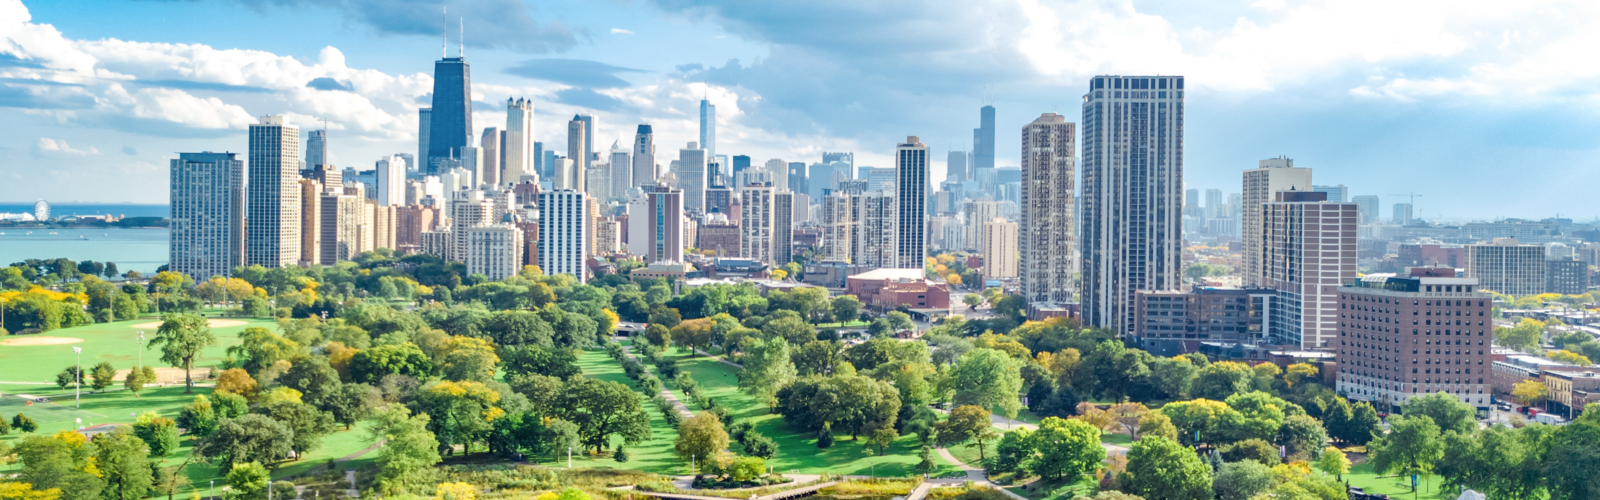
x=1485, y=108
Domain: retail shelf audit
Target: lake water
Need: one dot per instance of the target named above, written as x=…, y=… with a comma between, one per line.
x=140, y=250
x=117, y=209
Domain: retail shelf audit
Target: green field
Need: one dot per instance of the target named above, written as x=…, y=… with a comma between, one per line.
x=115, y=342
x=1361, y=476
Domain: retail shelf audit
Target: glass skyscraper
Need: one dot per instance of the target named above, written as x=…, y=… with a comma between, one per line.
x=450, y=127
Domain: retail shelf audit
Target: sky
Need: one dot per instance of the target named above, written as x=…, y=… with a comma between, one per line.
x=1484, y=109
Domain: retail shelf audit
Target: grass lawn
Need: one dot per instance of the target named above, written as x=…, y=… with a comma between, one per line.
x=1361, y=476
x=1117, y=438
x=115, y=342
x=1044, y=490
x=655, y=455
x=969, y=454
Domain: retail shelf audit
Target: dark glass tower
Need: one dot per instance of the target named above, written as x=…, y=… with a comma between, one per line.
x=450, y=127
x=982, y=140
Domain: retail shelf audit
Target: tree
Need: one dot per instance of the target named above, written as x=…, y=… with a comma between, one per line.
x=1219, y=380
x=23, y=423
x=229, y=405
x=621, y=455
x=1250, y=449
x=693, y=334
x=882, y=437
x=249, y=480
x=880, y=328
x=121, y=459
x=1065, y=449
x=767, y=368
x=1302, y=437
x=307, y=424
x=900, y=321
x=461, y=412
x=1529, y=392
x=101, y=375
x=1161, y=468
x=1333, y=462
x=64, y=462
x=198, y=418
x=137, y=378
x=603, y=409
x=825, y=436
x=157, y=432
x=966, y=423
x=1128, y=416
x=1411, y=447
x=1449, y=413
x=315, y=380
x=182, y=338
x=554, y=362
x=1363, y=425
x=467, y=358
x=789, y=327
x=988, y=378
x=972, y=300
x=845, y=308
x=699, y=437
x=408, y=446
x=249, y=438
x=237, y=381
x=818, y=357
x=757, y=445
x=747, y=468
x=351, y=403
x=1524, y=337
x=1242, y=480
x=371, y=365
x=657, y=335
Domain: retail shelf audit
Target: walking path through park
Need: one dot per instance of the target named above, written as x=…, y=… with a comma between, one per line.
x=665, y=393
x=1003, y=423
x=719, y=358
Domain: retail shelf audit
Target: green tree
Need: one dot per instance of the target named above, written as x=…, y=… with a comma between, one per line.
x=1497, y=461
x=1449, y=413
x=1524, y=337
x=101, y=375
x=122, y=460
x=62, y=461
x=137, y=378
x=461, y=411
x=966, y=423
x=159, y=433
x=789, y=327
x=988, y=378
x=68, y=377
x=249, y=480
x=603, y=409
x=767, y=368
x=900, y=321
x=1363, y=425
x=350, y=403
x=371, y=365
x=1065, y=449
x=24, y=423
x=306, y=423
x=818, y=357
x=315, y=380
x=467, y=358
x=182, y=338
x=1302, y=437
x=845, y=308
x=1410, y=448
x=972, y=300
x=1242, y=480
x=198, y=418
x=1332, y=461
x=700, y=437
x=1217, y=381
x=1161, y=468
x=249, y=438
x=408, y=446
x=881, y=438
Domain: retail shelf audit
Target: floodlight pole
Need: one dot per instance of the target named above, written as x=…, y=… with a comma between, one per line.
x=77, y=382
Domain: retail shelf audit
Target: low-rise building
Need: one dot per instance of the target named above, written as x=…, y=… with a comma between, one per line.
x=1168, y=323
x=889, y=288
x=1569, y=392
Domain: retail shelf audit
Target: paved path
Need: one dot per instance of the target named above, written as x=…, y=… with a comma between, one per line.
x=721, y=359
x=665, y=393
x=350, y=475
x=1003, y=423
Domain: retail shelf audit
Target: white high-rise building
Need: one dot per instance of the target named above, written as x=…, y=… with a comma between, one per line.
x=564, y=233
x=638, y=224
x=519, y=151
x=1131, y=238
x=494, y=250
x=692, y=178
x=621, y=171
x=911, y=211
x=777, y=172
x=468, y=209
x=1261, y=186
x=1049, y=148
x=1309, y=251
x=999, y=249
x=273, y=222
x=207, y=196
x=316, y=148
x=390, y=172
x=979, y=212
x=578, y=152
x=598, y=178
x=757, y=218
x=708, y=128
x=563, y=173
x=644, y=157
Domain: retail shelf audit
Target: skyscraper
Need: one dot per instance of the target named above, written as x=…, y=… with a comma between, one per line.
x=207, y=197
x=708, y=128
x=983, y=141
x=999, y=249
x=316, y=148
x=956, y=166
x=273, y=234
x=492, y=145
x=1213, y=203
x=564, y=233
x=621, y=170
x=1132, y=198
x=424, y=121
x=1308, y=252
x=1336, y=194
x=588, y=140
x=911, y=199
x=797, y=177
x=644, y=157
x=1402, y=216
x=756, y=219
x=1049, y=148
x=664, y=212
x=451, y=121
x=391, y=179
x=578, y=150
x=692, y=178
x=740, y=164
x=1261, y=185
x=1367, y=207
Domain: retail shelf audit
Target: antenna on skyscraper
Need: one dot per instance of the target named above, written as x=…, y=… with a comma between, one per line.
x=461, y=49
x=444, y=32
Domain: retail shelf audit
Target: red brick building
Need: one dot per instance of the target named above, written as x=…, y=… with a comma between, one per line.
x=891, y=288
x=1422, y=333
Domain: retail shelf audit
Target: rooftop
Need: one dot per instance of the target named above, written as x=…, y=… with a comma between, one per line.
x=890, y=274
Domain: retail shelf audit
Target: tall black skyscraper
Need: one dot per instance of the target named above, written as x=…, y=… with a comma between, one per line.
x=450, y=127
x=982, y=142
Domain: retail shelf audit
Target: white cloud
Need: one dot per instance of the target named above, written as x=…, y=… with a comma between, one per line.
x=620, y=31
x=46, y=144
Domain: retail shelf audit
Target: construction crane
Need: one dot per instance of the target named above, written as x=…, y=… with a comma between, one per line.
x=1411, y=201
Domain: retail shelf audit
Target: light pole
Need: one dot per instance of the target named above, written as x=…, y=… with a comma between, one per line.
x=77, y=382
x=569, y=457
x=141, y=350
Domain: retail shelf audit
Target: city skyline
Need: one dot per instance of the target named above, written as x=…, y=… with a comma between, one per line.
x=369, y=83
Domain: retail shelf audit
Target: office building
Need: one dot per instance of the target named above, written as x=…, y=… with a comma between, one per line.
x=978, y=212
x=598, y=180
x=451, y=127
x=1049, y=149
x=1508, y=267
x=1261, y=186
x=391, y=180
x=911, y=193
x=999, y=249
x=664, y=216
x=644, y=157
x=691, y=174
x=621, y=167
x=207, y=203
x=879, y=179
x=410, y=222
x=311, y=191
x=1336, y=194
x=1402, y=214
x=858, y=228
x=316, y=148
x=339, y=229
x=724, y=201
x=564, y=233
x=1367, y=206
x=1566, y=276
x=741, y=163
x=708, y=128
x=494, y=250
x=1213, y=203
x=719, y=235
x=1169, y=323
x=492, y=144
x=1309, y=250
x=784, y=206
x=1131, y=235
x=1414, y=334
x=424, y=120
x=956, y=166
x=797, y=182
x=578, y=152
x=468, y=209
x=983, y=142
x=589, y=156
x=272, y=236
